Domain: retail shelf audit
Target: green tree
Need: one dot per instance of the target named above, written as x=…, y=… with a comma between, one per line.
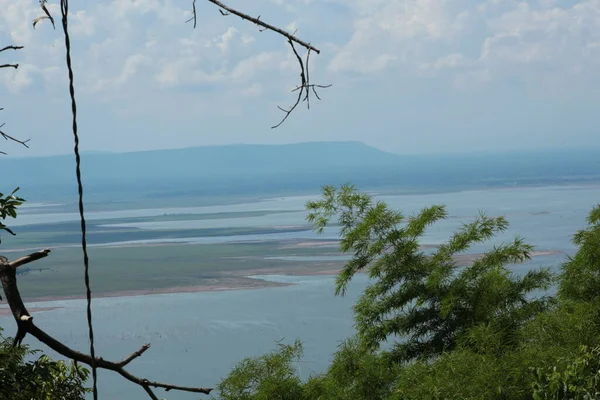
x=269, y=377
x=466, y=330
x=41, y=379
x=8, y=208
x=354, y=374
x=580, y=277
x=429, y=302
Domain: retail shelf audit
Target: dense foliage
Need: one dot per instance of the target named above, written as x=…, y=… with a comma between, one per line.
x=455, y=327
x=39, y=379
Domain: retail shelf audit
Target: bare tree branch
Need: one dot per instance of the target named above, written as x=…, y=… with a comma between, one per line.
x=266, y=26
x=29, y=258
x=194, y=16
x=8, y=137
x=15, y=66
x=47, y=16
x=134, y=355
x=25, y=326
x=11, y=48
x=304, y=88
x=150, y=392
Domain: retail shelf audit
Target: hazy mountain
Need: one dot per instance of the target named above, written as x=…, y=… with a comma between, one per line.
x=264, y=169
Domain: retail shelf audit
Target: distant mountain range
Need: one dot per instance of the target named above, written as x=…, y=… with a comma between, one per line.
x=299, y=168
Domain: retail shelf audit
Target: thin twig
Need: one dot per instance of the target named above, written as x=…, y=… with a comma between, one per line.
x=29, y=258
x=15, y=66
x=134, y=355
x=304, y=88
x=11, y=48
x=270, y=27
x=8, y=137
x=150, y=392
x=194, y=16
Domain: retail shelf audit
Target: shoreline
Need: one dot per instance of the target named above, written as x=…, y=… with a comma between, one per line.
x=234, y=280
x=245, y=280
x=6, y=312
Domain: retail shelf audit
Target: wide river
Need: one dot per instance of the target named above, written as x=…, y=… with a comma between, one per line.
x=198, y=337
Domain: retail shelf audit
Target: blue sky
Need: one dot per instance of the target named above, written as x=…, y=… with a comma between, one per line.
x=420, y=76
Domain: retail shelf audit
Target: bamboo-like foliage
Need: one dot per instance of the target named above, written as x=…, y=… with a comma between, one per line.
x=429, y=303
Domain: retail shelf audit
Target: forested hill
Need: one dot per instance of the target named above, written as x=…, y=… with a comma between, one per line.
x=294, y=168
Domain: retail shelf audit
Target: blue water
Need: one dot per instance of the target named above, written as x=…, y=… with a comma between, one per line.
x=546, y=216
x=198, y=337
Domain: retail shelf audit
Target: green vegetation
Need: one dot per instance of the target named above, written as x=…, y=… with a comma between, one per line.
x=40, y=379
x=8, y=208
x=429, y=328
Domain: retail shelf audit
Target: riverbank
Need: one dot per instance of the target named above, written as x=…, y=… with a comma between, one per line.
x=235, y=280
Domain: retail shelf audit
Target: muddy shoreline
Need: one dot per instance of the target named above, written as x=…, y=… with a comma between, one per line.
x=234, y=280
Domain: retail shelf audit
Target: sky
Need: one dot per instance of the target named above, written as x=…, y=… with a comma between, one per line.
x=418, y=76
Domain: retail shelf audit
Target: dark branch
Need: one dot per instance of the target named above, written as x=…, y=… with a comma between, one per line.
x=150, y=392
x=194, y=16
x=15, y=66
x=11, y=48
x=304, y=88
x=47, y=16
x=134, y=355
x=25, y=326
x=8, y=137
x=269, y=27
x=30, y=258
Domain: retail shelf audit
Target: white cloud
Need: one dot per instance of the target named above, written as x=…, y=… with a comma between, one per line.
x=82, y=24
x=224, y=40
x=453, y=60
x=246, y=69
x=253, y=90
x=17, y=80
x=386, y=31
x=125, y=51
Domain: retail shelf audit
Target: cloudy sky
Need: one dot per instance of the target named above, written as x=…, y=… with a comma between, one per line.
x=408, y=76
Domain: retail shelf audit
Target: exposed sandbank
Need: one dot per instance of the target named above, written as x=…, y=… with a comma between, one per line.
x=243, y=280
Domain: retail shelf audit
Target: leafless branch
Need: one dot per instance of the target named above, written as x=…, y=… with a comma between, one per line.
x=47, y=16
x=194, y=16
x=25, y=326
x=304, y=88
x=134, y=355
x=29, y=258
x=15, y=66
x=266, y=26
x=150, y=392
x=11, y=48
x=8, y=137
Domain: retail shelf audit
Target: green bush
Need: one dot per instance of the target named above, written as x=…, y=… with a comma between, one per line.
x=41, y=379
x=470, y=330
